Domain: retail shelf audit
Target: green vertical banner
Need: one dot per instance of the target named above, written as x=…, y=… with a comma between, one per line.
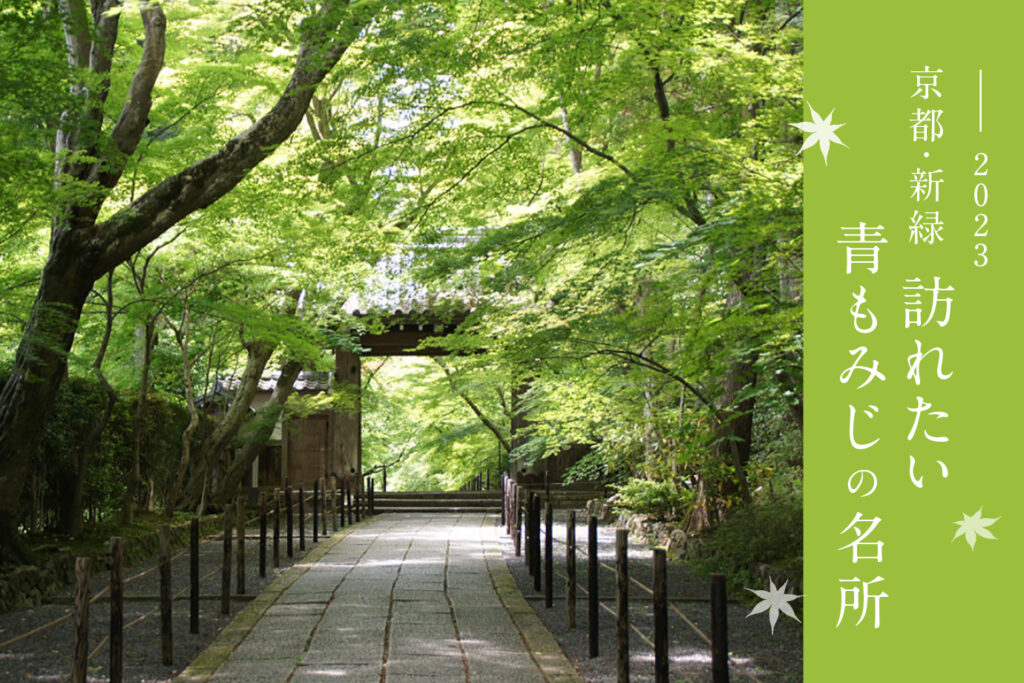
x=913, y=461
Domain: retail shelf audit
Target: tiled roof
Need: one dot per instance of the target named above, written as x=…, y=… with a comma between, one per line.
x=306, y=381
x=391, y=289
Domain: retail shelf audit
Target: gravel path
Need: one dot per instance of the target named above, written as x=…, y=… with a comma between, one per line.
x=755, y=653
x=47, y=656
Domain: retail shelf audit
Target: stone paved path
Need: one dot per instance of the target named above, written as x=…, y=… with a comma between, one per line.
x=398, y=597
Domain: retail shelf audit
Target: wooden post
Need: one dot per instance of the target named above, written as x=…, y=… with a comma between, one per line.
x=348, y=496
x=193, y=576
x=225, y=568
x=719, y=640
x=240, y=561
x=289, y=522
x=323, y=506
x=341, y=506
x=622, y=604
x=263, y=535
x=166, y=618
x=334, y=504
x=116, y=610
x=535, y=552
x=80, y=656
x=549, y=562
x=660, y=618
x=504, y=504
x=277, y=528
x=384, y=479
x=570, y=571
x=528, y=532
x=302, y=518
x=316, y=511
x=372, y=492
x=517, y=520
x=357, y=486
x=592, y=585
x=488, y=482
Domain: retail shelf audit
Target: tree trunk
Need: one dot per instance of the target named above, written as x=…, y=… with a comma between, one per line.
x=735, y=432
x=182, y=334
x=265, y=421
x=39, y=367
x=139, y=425
x=72, y=523
x=216, y=444
x=83, y=249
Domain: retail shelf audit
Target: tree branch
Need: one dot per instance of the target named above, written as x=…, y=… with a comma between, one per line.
x=135, y=113
x=209, y=179
x=476, y=410
x=567, y=133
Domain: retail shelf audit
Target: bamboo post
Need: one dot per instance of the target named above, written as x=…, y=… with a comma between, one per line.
x=263, y=535
x=225, y=568
x=719, y=639
x=277, y=528
x=660, y=617
x=166, y=617
x=622, y=604
x=549, y=562
x=80, y=655
x=240, y=530
x=116, y=610
x=592, y=585
x=570, y=571
x=193, y=576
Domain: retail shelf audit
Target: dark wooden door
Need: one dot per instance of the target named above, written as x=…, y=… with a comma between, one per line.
x=307, y=450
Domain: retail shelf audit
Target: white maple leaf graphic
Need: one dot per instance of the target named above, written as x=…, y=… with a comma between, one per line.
x=974, y=526
x=774, y=600
x=822, y=132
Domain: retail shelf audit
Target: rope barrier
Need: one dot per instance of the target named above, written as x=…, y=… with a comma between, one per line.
x=671, y=604
x=60, y=620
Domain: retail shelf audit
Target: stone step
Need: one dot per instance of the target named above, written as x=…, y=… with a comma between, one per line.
x=380, y=509
x=567, y=499
x=439, y=495
x=378, y=501
x=437, y=501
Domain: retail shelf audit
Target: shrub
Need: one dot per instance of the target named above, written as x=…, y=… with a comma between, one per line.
x=660, y=499
x=770, y=532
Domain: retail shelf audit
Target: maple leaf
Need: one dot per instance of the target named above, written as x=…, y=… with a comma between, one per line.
x=974, y=526
x=822, y=132
x=774, y=600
